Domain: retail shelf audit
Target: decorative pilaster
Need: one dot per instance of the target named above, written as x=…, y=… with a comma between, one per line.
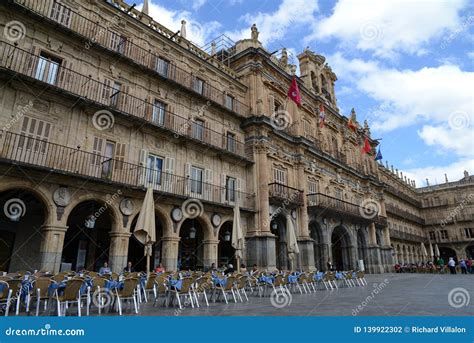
x=51, y=247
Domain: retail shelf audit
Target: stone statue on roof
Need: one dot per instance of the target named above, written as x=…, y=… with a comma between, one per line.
x=254, y=34
x=284, y=57
x=366, y=128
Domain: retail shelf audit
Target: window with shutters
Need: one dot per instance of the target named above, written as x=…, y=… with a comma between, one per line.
x=231, y=143
x=114, y=97
x=60, y=14
x=35, y=134
x=279, y=176
x=198, y=85
x=108, y=163
x=162, y=66
x=229, y=102
x=159, y=110
x=120, y=156
x=469, y=232
x=47, y=68
x=230, y=187
x=196, y=180
x=198, y=129
x=313, y=187
x=155, y=167
x=117, y=42
x=307, y=128
x=432, y=235
x=444, y=234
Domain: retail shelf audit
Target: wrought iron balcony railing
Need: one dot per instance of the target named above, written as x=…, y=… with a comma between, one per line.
x=397, y=234
x=326, y=203
x=97, y=34
x=28, y=151
x=403, y=214
x=28, y=64
x=285, y=195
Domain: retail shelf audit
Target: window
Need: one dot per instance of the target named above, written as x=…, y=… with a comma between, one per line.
x=198, y=85
x=308, y=129
x=196, y=180
x=37, y=133
x=230, y=184
x=313, y=187
x=198, y=129
x=231, y=143
x=60, y=14
x=229, y=102
x=469, y=232
x=155, y=166
x=47, y=68
x=444, y=234
x=107, y=164
x=279, y=176
x=158, y=115
x=117, y=42
x=162, y=66
x=117, y=87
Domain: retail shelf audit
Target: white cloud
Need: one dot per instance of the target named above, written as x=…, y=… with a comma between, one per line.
x=435, y=174
x=197, y=32
x=389, y=26
x=276, y=25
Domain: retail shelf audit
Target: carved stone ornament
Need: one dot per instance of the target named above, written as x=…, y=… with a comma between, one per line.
x=62, y=196
x=126, y=206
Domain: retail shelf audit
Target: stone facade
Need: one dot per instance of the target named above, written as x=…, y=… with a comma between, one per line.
x=100, y=102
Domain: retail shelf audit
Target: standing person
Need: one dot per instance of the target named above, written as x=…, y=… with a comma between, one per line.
x=440, y=262
x=463, y=266
x=452, y=265
x=469, y=265
x=329, y=265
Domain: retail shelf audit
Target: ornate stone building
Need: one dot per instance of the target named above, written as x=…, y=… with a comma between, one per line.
x=99, y=101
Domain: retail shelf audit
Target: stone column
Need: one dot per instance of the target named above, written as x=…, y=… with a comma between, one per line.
x=303, y=210
x=263, y=215
x=210, y=248
x=169, y=253
x=118, y=250
x=51, y=247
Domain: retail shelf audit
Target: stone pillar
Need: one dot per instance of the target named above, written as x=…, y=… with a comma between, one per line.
x=210, y=248
x=169, y=253
x=51, y=247
x=373, y=252
x=118, y=250
x=306, y=256
x=326, y=254
x=303, y=210
x=261, y=251
x=262, y=189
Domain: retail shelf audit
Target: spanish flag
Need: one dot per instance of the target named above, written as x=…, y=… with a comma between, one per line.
x=367, y=148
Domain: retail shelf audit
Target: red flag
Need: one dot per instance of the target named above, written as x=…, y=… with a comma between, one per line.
x=322, y=115
x=351, y=125
x=367, y=148
x=294, y=92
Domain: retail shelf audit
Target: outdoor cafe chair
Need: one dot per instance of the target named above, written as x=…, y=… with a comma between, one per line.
x=161, y=286
x=200, y=288
x=310, y=280
x=228, y=287
x=150, y=286
x=185, y=291
x=71, y=293
x=98, y=289
x=128, y=292
x=5, y=296
x=327, y=280
x=240, y=287
x=15, y=286
x=40, y=291
x=361, y=278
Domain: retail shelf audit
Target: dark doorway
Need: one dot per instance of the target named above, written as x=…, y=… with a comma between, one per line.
x=190, y=254
x=226, y=251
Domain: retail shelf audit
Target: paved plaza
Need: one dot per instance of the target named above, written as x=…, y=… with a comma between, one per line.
x=385, y=295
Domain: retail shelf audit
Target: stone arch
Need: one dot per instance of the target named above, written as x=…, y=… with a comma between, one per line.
x=225, y=251
x=24, y=216
x=320, y=249
x=362, y=245
x=342, y=248
x=39, y=191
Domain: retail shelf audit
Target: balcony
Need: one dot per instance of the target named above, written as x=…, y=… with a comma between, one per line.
x=21, y=61
x=31, y=152
x=284, y=195
x=402, y=214
x=95, y=34
x=405, y=236
x=322, y=203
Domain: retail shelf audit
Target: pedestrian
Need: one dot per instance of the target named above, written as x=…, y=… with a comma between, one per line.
x=452, y=265
x=469, y=265
x=463, y=266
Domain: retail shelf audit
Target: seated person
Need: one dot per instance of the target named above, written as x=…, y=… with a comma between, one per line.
x=129, y=268
x=229, y=270
x=104, y=270
x=159, y=268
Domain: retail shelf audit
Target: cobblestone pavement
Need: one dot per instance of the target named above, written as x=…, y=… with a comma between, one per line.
x=385, y=295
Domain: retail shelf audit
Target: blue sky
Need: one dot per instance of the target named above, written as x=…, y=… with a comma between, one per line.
x=405, y=66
